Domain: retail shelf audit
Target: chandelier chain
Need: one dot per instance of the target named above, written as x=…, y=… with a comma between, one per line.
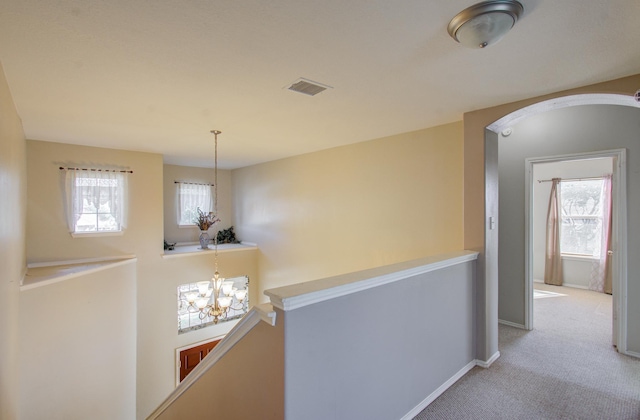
x=215, y=198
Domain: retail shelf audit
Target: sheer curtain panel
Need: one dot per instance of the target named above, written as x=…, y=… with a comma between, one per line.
x=601, y=270
x=192, y=196
x=96, y=201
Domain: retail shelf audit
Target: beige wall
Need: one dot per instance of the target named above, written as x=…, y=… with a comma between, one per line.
x=48, y=238
x=354, y=207
x=156, y=278
x=172, y=173
x=13, y=190
x=247, y=383
x=78, y=341
x=158, y=336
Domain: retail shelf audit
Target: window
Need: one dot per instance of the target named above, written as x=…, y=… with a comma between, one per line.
x=96, y=201
x=191, y=197
x=581, y=203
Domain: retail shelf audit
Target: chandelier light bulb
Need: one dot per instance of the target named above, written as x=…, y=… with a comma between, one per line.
x=203, y=287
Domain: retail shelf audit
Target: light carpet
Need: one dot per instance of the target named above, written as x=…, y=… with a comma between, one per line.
x=566, y=368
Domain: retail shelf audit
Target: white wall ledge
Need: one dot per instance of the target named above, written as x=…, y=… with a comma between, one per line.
x=43, y=274
x=189, y=250
x=303, y=294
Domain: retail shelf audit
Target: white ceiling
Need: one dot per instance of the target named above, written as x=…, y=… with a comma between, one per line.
x=158, y=75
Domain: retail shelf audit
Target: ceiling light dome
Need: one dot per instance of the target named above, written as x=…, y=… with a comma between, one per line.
x=485, y=23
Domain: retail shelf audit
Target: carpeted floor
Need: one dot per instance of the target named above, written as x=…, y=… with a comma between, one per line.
x=566, y=368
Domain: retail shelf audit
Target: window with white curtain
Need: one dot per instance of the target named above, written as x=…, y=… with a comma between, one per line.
x=581, y=203
x=192, y=196
x=96, y=201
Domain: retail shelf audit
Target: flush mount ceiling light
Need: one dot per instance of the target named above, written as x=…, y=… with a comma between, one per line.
x=485, y=23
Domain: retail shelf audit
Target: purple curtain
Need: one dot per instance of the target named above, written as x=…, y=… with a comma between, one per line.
x=552, y=259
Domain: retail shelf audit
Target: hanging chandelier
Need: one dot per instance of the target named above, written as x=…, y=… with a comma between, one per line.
x=216, y=297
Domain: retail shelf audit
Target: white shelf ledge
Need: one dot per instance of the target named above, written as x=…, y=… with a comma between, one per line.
x=194, y=249
x=43, y=274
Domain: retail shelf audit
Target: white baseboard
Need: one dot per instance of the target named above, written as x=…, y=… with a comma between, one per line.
x=632, y=353
x=511, y=324
x=575, y=286
x=489, y=362
x=435, y=394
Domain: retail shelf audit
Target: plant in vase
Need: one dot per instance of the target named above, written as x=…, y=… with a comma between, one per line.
x=204, y=221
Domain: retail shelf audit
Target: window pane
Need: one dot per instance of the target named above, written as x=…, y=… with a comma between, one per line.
x=86, y=223
x=190, y=198
x=98, y=202
x=580, y=235
x=581, y=198
x=581, y=203
x=107, y=222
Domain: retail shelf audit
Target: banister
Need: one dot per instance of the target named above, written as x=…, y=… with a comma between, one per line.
x=303, y=294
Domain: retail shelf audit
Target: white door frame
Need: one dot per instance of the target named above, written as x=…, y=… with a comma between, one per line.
x=619, y=238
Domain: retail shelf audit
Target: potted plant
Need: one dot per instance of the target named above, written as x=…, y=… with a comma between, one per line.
x=204, y=221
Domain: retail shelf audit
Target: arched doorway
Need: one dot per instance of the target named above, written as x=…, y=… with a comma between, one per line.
x=525, y=292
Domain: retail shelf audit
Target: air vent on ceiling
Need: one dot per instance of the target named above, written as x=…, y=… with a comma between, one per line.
x=307, y=87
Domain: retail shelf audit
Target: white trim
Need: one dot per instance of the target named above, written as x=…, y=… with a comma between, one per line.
x=571, y=285
x=511, y=324
x=97, y=234
x=242, y=328
x=619, y=238
x=25, y=269
x=486, y=364
x=455, y=378
x=632, y=354
x=575, y=286
x=576, y=257
x=80, y=261
x=58, y=278
x=562, y=102
x=266, y=312
x=439, y=391
x=299, y=295
x=620, y=281
x=194, y=250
